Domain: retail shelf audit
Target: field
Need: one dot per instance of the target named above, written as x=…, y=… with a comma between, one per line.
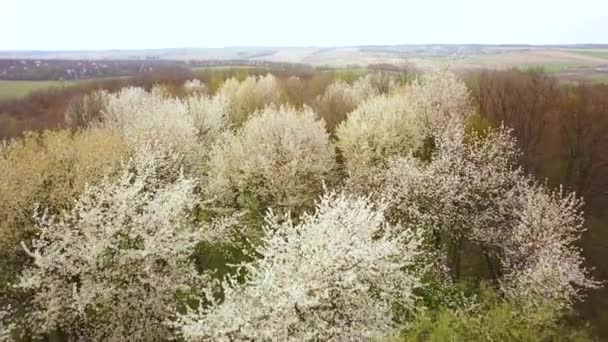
x=17, y=89
x=574, y=62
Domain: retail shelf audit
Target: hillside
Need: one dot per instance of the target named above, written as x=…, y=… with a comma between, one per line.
x=582, y=61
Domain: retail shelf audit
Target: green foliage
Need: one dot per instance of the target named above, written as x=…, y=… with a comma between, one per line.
x=349, y=75
x=241, y=74
x=492, y=318
x=438, y=295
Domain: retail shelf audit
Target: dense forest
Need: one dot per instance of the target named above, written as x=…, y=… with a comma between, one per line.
x=308, y=205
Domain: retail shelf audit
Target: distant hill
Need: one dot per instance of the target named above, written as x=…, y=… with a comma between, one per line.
x=570, y=61
x=314, y=55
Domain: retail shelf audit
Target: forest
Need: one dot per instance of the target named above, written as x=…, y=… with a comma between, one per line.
x=300, y=204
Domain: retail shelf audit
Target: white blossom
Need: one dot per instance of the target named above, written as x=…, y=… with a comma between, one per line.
x=437, y=97
x=145, y=117
x=378, y=129
x=187, y=128
x=472, y=189
x=117, y=265
x=339, y=275
x=539, y=251
x=6, y=327
x=280, y=157
x=254, y=93
x=195, y=86
x=399, y=124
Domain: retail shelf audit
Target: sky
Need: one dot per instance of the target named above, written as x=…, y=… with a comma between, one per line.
x=146, y=24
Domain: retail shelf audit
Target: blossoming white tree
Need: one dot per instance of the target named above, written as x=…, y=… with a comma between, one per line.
x=437, y=97
x=210, y=117
x=399, y=124
x=341, y=98
x=145, y=117
x=538, y=250
x=471, y=189
x=117, y=265
x=279, y=158
x=246, y=97
x=185, y=128
x=339, y=275
x=380, y=128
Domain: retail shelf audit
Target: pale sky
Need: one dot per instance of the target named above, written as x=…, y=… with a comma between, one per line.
x=140, y=24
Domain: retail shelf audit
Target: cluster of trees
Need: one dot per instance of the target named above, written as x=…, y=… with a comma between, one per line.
x=231, y=214
x=43, y=70
x=299, y=85
x=75, y=69
x=561, y=129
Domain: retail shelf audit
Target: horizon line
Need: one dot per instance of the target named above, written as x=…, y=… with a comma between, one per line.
x=309, y=46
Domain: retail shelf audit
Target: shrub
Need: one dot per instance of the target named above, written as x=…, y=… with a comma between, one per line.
x=117, y=265
x=338, y=275
x=278, y=159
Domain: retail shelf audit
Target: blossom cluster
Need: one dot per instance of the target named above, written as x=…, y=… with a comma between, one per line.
x=339, y=275
x=472, y=189
x=117, y=264
x=280, y=157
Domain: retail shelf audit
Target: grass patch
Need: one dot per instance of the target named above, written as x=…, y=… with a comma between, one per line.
x=550, y=67
x=17, y=89
x=222, y=68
